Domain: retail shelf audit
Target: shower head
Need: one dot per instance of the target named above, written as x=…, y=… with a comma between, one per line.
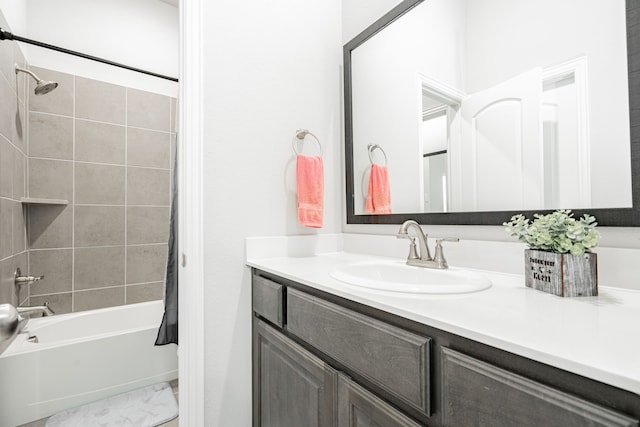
x=42, y=86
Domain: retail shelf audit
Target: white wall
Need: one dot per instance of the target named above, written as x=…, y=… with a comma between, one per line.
x=139, y=33
x=530, y=45
x=390, y=115
x=359, y=14
x=15, y=12
x=271, y=68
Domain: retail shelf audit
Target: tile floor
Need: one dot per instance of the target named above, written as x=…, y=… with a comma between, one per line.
x=173, y=423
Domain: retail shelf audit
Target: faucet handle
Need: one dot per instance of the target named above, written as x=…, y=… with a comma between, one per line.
x=413, y=252
x=438, y=257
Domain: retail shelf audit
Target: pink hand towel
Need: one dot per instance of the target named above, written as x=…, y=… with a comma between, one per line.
x=378, y=199
x=310, y=187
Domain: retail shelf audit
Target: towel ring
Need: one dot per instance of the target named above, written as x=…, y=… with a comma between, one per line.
x=372, y=147
x=301, y=134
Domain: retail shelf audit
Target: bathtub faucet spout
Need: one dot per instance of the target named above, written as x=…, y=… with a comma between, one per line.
x=44, y=310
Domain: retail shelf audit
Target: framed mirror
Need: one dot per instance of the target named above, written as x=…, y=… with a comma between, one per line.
x=478, y=111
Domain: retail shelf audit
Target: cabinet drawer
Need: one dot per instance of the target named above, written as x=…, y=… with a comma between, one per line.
x=268, y=299
x=480, y=394
x=393, y=359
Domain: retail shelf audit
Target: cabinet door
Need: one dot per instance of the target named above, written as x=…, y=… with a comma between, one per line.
x=291, y=387
x=358, y=407
x=476, y=393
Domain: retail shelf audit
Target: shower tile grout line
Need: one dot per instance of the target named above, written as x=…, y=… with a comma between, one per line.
x=123, y=285
x=122, y=125
x=126, y=184
x=97, y=163
x=73, y=216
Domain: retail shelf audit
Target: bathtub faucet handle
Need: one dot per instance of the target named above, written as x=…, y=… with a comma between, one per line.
x=19, y=279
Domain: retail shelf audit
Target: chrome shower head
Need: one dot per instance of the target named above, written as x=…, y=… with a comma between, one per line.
x=42, y=86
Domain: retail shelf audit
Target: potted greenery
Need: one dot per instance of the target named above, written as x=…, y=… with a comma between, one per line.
x=559, y=258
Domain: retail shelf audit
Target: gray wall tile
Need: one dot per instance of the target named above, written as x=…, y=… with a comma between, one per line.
x=50, y=136
x=6, y=168
x=59, y=101
x=146, y=263
x=98, y=298
x=98, y=267
x=59, y=303
x=99, y=184
x=51, y=179
x=144, y=292
x=148, y=148
x=147, y=224
x=56, y=267
x=19, y=228
x=7, y=292
x=6, y=58
x=101, y=101
x=148, y=110
x=100, y=142
x=99, y=226
x=19, y=174
x=90, y=151
x=50, y=226
x=19, y=137
x=18, y=58
x=7, y=108
x=6, y=229
x=19, y=261
x=147, y=187
x=172, y=164
x=174, y=114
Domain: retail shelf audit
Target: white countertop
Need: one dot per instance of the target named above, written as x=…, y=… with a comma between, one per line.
x=596, y=337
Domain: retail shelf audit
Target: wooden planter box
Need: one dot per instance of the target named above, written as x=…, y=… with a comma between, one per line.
x=564, y=275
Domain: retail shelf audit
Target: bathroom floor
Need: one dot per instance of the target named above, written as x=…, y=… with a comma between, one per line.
x=173, y=423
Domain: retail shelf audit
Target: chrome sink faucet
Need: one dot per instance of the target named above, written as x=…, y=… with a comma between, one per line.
x=423, y=258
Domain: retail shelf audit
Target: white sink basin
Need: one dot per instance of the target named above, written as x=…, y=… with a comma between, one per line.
x=397, y=276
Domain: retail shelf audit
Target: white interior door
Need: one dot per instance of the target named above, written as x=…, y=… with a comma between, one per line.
x=501, y=149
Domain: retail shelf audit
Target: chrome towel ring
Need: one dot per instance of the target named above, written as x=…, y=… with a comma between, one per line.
x=300, y=135
x=372, y=147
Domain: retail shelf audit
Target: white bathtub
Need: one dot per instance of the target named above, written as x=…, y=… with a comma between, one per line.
x=80, y=358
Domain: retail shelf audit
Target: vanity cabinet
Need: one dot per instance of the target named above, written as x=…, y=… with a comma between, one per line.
x=322, y=360
x=478, y=393
x=358, y=407
x=292, y=387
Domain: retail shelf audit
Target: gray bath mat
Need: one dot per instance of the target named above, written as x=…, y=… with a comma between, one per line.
x=144, y=407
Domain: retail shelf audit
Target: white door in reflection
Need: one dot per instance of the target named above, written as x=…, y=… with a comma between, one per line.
x=501, y=156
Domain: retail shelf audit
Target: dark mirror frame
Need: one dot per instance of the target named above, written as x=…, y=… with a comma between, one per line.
x=619, y=217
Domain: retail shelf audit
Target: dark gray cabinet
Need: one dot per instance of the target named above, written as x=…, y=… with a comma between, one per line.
x=390, y=357
x=321, y=360
x=481, y=394
x=292, y=387
x=358, y=407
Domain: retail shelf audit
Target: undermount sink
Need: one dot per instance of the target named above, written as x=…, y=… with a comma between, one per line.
x=397, y=276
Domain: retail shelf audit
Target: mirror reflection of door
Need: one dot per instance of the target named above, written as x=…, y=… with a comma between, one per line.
x=438, y=132
x=435, y=163
x=501, y=146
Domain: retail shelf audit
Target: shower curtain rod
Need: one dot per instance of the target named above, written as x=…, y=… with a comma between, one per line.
x=6, y=35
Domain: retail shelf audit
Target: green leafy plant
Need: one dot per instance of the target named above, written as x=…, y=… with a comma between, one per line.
x=556, y=232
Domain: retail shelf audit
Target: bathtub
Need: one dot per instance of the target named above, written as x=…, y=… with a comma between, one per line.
x=82, y=357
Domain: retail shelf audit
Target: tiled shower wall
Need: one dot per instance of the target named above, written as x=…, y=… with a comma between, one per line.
x=107, y=149
x=13, y=249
